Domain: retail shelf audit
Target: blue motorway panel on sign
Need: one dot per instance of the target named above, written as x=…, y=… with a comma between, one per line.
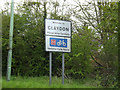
x=57, y=42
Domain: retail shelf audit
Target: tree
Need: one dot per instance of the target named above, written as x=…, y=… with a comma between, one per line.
x=102, y=17
x=28, y=41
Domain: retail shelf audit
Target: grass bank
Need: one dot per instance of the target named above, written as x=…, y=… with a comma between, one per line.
x=43, y=82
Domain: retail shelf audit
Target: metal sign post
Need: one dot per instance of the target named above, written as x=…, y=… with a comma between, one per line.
x=62, y=68
x=50, y=62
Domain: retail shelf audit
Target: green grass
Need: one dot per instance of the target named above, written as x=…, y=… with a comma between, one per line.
x=43, y=82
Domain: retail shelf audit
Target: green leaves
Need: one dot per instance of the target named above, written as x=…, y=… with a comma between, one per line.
x=29, y=55
x=78, y=62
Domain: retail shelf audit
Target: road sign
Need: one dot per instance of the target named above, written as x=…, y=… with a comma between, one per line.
x=57, y=27
x=57, y=39
x=58, y=44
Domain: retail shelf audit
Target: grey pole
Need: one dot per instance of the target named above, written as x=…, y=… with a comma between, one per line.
x=62, y=68
x=50, y=62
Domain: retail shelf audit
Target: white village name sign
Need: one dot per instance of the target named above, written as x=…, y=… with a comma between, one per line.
x=57, y=35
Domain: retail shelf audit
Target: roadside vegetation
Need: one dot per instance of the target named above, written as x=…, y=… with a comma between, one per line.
x=43, y=82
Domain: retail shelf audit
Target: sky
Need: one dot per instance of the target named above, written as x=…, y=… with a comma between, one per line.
x=2, y=2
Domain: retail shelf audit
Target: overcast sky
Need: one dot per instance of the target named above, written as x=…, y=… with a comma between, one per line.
x=2, y=2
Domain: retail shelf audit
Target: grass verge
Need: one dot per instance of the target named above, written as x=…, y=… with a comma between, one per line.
x=43, y=82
